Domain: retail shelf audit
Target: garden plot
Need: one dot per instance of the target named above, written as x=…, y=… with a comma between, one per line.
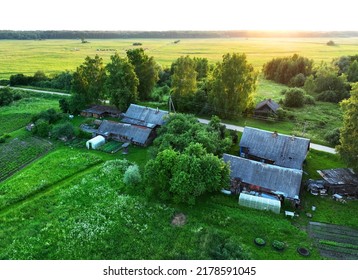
x=20, y=152
x=334, y=241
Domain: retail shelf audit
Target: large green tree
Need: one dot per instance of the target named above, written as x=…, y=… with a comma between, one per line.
x=184, y=83
x=348, y=148
x=122, y=82
x=182, y=177
x=146, y=70
x=89, y=80
x=232, y=85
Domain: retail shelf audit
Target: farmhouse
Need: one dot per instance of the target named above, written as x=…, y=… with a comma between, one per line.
x=273, y=148
x=263, y=178
x=101, y=111
x=341, y=181
x=122, y=132
x=144, y=116
x=266, y=108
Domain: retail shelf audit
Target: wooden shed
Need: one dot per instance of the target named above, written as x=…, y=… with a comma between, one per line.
x=266, y=108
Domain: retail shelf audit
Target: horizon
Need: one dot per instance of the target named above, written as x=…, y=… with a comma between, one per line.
x=186, y=15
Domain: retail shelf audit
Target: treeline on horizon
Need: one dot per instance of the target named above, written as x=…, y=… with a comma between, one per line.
x=73, y=34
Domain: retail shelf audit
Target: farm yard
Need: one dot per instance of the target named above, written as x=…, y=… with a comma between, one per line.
x=60, y=200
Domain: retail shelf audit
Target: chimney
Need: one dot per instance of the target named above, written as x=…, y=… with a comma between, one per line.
x=293, y=138
x=274, y=134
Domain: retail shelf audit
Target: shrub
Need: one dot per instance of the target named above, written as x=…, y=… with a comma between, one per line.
x=309, y=100
x=259, y=241
x=6, y=96
x=331, y=43
x=298, y=80
x=333, y=136
x=281, y=114
x=63, y=130
x=132, y=176
x=278, y=245
x=294, y=97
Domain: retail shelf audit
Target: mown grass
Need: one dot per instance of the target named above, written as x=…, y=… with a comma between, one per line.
x=53, y=56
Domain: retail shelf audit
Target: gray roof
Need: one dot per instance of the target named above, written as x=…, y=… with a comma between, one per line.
x=339, y=176
x=102, y=109
x=144, y=116
x=286, y=151
x=134, y=133
x=275, y=178
x=270, y=103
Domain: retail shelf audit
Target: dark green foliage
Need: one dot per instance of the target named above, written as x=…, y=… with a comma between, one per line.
x=182, y=177
x=298, y=80
x=181, y=130
x=285, y=70
x=309, y=100
x=89, y=80
x=50, y=115
x=42, y=128
x=146, y=70
x=278, y=245
x=4, y=82
x=231, y=86
x=294, y=97
x=352, y=73
x=122, y=82
x=77, y=103
x=20, y=80
x=6, y=96
x=348, y=148
x=63, y=130
x=201, y=68
x=333, y=136
x=164, y=77
x=328, y=96
x=64, y=105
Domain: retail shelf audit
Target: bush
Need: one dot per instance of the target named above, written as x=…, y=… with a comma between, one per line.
x=6, y=96
x=281, y=114
x=132, y=176
x=309, y=100
x=294, y=97
x=63, y=130
x=278, y=245
x=259, y=241
x=298, y=80
x=333, y=136
x=328, y=96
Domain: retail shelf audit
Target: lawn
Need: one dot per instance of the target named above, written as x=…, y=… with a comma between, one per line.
x=54, y=56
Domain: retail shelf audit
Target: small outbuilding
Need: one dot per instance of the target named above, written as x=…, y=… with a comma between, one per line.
x=266, y=108
x=260, y=203
x=95, y=142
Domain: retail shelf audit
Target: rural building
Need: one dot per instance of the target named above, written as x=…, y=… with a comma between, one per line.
x=101, y=111
x=266, y=108
x=273, y=148
x=342, y=181
x=122, y=132
x=264, y=179
x=95, y=142
x=144, y=116
x=259, y=202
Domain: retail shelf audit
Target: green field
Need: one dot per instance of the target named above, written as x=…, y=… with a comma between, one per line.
x=53, y=56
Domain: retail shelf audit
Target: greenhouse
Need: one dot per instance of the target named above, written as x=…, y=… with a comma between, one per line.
x=95, y=142
x=260, y=203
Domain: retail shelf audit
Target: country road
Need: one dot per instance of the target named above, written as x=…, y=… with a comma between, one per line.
x=229, y=126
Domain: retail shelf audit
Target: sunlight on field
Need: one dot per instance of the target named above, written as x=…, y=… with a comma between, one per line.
x=53, y=56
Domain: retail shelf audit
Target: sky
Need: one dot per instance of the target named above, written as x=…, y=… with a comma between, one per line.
x=164, y=15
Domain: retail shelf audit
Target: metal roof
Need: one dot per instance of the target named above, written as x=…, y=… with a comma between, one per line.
x=286, y=151
x=270, y=103
x=131, y=132
x=102, y=109
x=144, y=116
x=339, y=176
x=275, y=178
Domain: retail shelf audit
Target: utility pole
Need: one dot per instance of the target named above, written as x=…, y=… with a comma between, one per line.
x=171, y=104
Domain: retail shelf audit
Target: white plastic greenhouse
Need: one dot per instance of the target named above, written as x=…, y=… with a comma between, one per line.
x=95, y=142
x=260, y=203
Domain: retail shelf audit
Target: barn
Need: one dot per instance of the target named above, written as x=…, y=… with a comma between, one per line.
x=263, y=178
x=95, y=142
x=138, y=135
x=144, y=116
x=101, y=111
x=266, y=108
x=273, y=148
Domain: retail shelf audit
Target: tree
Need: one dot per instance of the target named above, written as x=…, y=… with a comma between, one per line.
x=64, y=105
x=182, y=177
x=352, y=73
x=146, y=70
x=89, y=80
x=348, y=148
x=6, y=96
x=122, y=82
x=232, y=84
x=201, y=67
x=132, y=176
x=184, y=83
x=63, y=130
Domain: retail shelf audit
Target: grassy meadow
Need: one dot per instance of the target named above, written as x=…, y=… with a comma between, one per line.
x=53, y=56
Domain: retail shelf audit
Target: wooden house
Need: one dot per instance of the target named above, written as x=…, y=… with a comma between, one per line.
x=101, y=111
x=144, y=116
x=262, y=178
x=273, y=148
x=266, y=108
